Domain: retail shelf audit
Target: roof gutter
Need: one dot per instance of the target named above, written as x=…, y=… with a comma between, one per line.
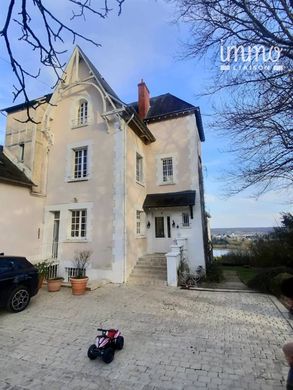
x=15, y=182
x=195, y=110
x=139, y=126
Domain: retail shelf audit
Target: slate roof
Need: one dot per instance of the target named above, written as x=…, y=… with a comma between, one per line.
x=170, y=199
x=161, y=107
x=30, y=103
x=10, y=173
x=98, y=75
x=129, y=115
x=169, y=106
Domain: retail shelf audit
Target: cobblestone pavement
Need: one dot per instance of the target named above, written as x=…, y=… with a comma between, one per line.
x=174, y=339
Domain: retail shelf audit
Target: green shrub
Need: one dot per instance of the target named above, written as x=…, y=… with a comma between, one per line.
x=262, y=281
x=276, y=282
x=43, y=268
x=235, y=258
x=270, y=252
x=214, y=272
x=276, y=249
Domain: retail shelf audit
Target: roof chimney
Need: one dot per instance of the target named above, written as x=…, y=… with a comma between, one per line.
x=143, y=99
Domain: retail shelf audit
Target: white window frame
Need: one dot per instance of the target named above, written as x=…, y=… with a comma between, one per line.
x=80, y=167
x=70, y=161
x=78, y=214
x=167, y=170
x=65, y=210
x=139, y=168
x=185, y=219
x=140, y=223
x=160, y=174
x=82, y=113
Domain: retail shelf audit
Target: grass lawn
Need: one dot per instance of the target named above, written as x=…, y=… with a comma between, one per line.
x=244, y=274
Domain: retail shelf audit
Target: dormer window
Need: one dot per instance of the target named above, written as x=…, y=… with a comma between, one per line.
x=82, y=114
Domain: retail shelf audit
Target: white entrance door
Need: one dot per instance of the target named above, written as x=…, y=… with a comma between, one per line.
x=162, y=232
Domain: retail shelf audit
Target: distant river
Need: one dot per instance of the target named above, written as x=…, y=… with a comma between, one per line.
x=220, y=252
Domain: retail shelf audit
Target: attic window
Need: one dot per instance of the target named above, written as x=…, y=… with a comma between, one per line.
x=82, y=114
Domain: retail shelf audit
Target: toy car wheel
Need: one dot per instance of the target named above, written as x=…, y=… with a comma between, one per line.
x=19, y=299
x=92, y=352
x=190, y=282
x=108, y=355
x=120, y=342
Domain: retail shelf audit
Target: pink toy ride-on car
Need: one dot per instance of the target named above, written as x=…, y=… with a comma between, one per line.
x=106, y=344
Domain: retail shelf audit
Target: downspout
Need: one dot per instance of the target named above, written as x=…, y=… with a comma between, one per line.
x=124, y=129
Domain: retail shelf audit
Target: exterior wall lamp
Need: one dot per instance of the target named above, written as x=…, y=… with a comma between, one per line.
x=173, y=224
x=148, y=224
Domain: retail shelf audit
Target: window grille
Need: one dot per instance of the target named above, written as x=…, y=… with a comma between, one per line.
x=167, y=164
x=82, y=118
x=140, y=223
x=78, y=223
x=80, y=163
x=71, y=272
x=185, y=219
x=52, y=271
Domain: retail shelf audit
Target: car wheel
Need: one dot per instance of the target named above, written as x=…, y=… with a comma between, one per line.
x=119, y=342
x=18, y=299
x=92, y=352
x=108, y=355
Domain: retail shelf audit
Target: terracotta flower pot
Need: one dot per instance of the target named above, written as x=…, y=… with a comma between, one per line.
x=54, y=285
x=78, y=285
x=41, y=280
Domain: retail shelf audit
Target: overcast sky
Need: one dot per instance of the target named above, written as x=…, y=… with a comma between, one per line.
x=145, y=43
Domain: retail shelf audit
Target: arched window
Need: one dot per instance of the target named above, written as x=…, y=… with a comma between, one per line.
x=82, y=114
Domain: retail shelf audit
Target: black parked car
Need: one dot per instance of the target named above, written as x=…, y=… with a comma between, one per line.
x=18, y=282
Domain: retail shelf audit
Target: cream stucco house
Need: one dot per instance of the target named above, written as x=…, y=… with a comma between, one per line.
x=122, y=180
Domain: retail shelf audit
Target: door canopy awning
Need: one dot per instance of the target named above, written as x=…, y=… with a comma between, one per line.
x=169, y=199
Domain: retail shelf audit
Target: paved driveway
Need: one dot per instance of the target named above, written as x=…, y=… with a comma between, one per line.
x=174, y=339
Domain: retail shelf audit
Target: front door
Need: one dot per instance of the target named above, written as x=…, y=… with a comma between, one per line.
x=162, y=232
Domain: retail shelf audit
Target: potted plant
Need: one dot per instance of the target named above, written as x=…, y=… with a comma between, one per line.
x=54, y=284
x=42, y=267
x=79, y=281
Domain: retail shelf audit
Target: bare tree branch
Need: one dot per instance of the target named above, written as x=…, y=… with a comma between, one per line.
x=19, y=13
x=257, y=115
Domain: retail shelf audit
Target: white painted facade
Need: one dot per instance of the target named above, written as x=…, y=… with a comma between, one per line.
x=108, y=196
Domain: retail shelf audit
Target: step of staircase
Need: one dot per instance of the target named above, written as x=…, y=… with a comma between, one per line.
x=150, y=270
x=153, y=260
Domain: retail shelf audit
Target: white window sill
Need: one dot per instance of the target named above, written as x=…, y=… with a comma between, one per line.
x=79, y=125
x=140, y=236
x=140, y=183
x=76, y=240
x=78, y=179
x=169, y=183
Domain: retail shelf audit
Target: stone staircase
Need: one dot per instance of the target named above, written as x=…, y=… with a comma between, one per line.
x=150, y=270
